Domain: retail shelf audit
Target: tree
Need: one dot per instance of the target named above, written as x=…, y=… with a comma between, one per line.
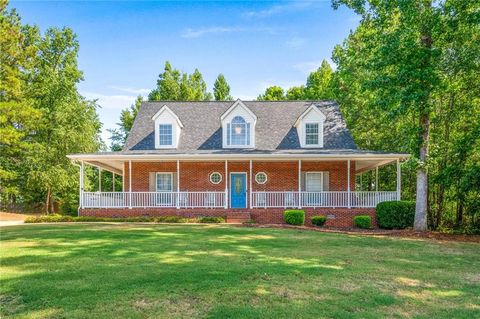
x=319, y=83
x=272, y=93
x=68, y=123
x=411, y=69
x=17, y=115
x=176, y=86
x=296, y=93
x=127, y=117
x=221, y=89
x=401, y=65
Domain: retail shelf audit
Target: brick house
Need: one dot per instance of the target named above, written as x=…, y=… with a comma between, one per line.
x=240, y=160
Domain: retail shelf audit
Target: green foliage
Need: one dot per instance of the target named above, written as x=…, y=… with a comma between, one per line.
x=212, y=219
x=176, y=86
x=55, y=218
x=395, y=214
x=272, y=93
x=221, y=89
x=319, y=220
x=319, y=83
x=127, y=116
x=362, y=221
x=294, y=217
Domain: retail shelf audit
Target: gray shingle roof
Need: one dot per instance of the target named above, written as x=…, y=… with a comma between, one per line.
x=274, y=130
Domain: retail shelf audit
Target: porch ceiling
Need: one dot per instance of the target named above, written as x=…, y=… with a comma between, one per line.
x=115, y=165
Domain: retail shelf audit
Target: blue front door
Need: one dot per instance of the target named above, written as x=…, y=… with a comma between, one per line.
x=238, y=190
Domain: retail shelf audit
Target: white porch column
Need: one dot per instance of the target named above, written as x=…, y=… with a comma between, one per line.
x=113, y=182
x=299, y=183
x=399, y=179
x=130, y=184
x=100, y=180
x=376, y=179
x=81, y=184
x=226, y=184
x=178, y=184
x=250, y=187
x=348, y=186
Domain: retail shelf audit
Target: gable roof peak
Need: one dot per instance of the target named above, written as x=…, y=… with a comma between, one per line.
x=238, y=103
x=165, y=108
x=311, y=108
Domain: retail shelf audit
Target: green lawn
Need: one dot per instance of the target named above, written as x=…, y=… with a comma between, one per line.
x=219, y=271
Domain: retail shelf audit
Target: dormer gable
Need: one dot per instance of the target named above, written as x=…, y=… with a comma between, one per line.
x=310, y=126
x=167, y=128
x=238, y=126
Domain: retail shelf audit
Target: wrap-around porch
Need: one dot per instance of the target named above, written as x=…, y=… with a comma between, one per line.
x=238, y=184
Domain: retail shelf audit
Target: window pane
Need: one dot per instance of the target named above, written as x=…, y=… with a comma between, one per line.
x=311, y=133
x=165, y=134
x=238, y=131
x=164, y=183
x=314, y=182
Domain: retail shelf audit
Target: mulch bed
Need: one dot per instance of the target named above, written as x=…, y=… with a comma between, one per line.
x=407, y=233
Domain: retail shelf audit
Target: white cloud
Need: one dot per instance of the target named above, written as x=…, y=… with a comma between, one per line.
x=307, y=67
x=130, y=90
x=197, y=33
x=296, y=42
x=111, y=101
x=279, y=9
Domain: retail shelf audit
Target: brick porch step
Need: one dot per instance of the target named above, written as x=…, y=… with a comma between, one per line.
x=238, y=217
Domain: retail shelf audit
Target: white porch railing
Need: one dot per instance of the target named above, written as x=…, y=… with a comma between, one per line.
x=279, y=199
x=153, y=199
x=320, y=199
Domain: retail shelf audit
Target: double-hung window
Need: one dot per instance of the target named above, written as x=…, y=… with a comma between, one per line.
x=238, y=132
x=312, y=134
x=164, y=187
x=165, y=132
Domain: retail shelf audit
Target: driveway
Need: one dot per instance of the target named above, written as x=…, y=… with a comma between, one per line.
x=8, y=219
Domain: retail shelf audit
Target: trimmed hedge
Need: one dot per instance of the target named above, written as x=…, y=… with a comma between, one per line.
x=161, y=219
x=363, y=221
x=294, y=217
x=319, y=220
x=395, y=214
x=211, y=220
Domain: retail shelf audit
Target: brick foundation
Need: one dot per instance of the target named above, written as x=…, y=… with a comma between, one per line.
x=340, y=217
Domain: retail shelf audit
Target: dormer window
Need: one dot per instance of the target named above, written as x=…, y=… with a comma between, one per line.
x=167, y=128
x=165, y=137
x=238, y=126
x=310, y=127
x=312, y=134
x=238, y=132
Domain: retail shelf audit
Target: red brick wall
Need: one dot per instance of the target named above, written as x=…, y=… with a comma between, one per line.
x=343, y=217
x=195, y=176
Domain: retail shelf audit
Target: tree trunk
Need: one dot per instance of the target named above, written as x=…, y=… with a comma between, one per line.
x=47, y=202
x=422, y=179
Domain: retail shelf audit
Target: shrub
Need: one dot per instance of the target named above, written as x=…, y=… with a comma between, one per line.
x=294, y=217
x=211, y=220
x=396, y=214
x=362, y=221
x=171, y=219
x=319, y=220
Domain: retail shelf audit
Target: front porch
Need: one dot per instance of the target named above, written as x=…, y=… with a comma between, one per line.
x=237, y=184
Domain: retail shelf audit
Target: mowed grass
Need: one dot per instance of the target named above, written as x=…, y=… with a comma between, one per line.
x=221, y=271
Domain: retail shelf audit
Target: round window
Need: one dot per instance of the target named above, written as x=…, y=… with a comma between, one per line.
x=215, y=178
x=261, y=178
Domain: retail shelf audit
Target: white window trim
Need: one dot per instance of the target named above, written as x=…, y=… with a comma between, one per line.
x=320, y=135
x=210, y=178
x=266, y=178
x=156, y=182
x=321, y=179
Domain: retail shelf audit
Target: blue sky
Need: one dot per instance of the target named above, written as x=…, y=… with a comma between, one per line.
x=124, y=45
